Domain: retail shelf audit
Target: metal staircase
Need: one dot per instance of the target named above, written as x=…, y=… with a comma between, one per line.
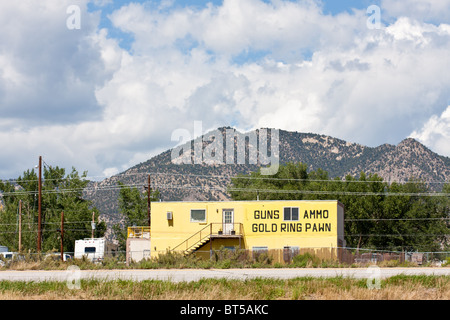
x=205, y=235
x=198, y=245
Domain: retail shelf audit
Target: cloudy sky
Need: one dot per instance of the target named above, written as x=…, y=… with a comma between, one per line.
x=101, y=85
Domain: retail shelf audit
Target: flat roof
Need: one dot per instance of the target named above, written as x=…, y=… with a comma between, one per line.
x=231, y=201
x=207, y=201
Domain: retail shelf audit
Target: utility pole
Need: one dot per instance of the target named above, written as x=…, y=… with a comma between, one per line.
x=39, y=206
x=62, y=235
x=149, y=189
x=20, y=225
x=93, y=224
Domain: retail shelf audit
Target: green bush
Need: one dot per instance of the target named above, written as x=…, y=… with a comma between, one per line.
x=178, y=260
x=306, y=260
x=225, y=258
x=446, y=262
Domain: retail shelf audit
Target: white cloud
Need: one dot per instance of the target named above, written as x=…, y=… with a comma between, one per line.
x=422, y=10
x=354, y=72
x=435, y=133
x=48, y=77
x=48, y=73
x=78, y=99
x=108, y=172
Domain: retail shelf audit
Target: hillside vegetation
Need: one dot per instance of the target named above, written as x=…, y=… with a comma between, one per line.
x=179, y=181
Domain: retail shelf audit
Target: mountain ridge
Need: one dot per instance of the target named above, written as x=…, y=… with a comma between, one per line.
x=187, y=181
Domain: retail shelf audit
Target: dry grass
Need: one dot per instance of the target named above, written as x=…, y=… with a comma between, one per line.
x=395, y=288
x=340, y=288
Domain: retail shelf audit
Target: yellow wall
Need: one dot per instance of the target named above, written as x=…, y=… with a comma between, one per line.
x=263, y=224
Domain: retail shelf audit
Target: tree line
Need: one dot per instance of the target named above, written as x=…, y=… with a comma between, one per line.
x=133, y=206
x=61, y=192
x=378, y=214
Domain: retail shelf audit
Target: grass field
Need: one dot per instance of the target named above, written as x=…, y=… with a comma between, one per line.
x=338, y=288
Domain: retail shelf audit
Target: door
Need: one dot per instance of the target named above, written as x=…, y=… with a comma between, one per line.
x=227, y=221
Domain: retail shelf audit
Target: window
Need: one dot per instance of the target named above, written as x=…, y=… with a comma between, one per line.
x=89, y=250
x=291, y=214
x=198, y=215
x=228, y=216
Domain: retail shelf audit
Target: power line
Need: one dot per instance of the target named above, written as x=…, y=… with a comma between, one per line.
x=233, y=189
x=69, y=190
x=345, y=182
x=395, y=219
x=44, y=223
x=144, y=220
x=278, y=179
x=357, y=193
x=398, y=235
x=236, y=177
x=346, y=235
x=46, y=231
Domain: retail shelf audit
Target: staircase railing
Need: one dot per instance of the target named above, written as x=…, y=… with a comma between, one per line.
x=195, y=238
x=205, y=234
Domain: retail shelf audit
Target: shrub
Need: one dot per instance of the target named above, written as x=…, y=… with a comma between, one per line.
x=262, y=260
x=306, y=260
x=225, y=258
x=446, y=262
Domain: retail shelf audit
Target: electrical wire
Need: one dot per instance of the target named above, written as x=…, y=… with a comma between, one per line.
x=273, y=178
x=232, y=189
x=87, y=178
x=354, y=193
x=395, y=219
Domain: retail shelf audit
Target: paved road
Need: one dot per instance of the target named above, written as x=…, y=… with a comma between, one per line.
x=177, y=275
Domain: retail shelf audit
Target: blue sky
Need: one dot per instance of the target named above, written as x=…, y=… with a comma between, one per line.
x=335, y=7
x=116, y=89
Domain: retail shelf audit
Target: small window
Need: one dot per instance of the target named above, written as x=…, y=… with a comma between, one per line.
x=89, y=250
x=291, y=214
x=198, y=215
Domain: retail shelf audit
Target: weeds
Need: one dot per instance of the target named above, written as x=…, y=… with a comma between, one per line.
x=338, y=288
x=446, y=262
x=422, y=280
x=306, y=260
x=219, y=259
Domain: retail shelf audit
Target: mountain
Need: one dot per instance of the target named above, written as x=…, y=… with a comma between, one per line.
x=182, y=179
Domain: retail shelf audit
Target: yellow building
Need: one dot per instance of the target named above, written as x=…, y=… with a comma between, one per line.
x=202, y=227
